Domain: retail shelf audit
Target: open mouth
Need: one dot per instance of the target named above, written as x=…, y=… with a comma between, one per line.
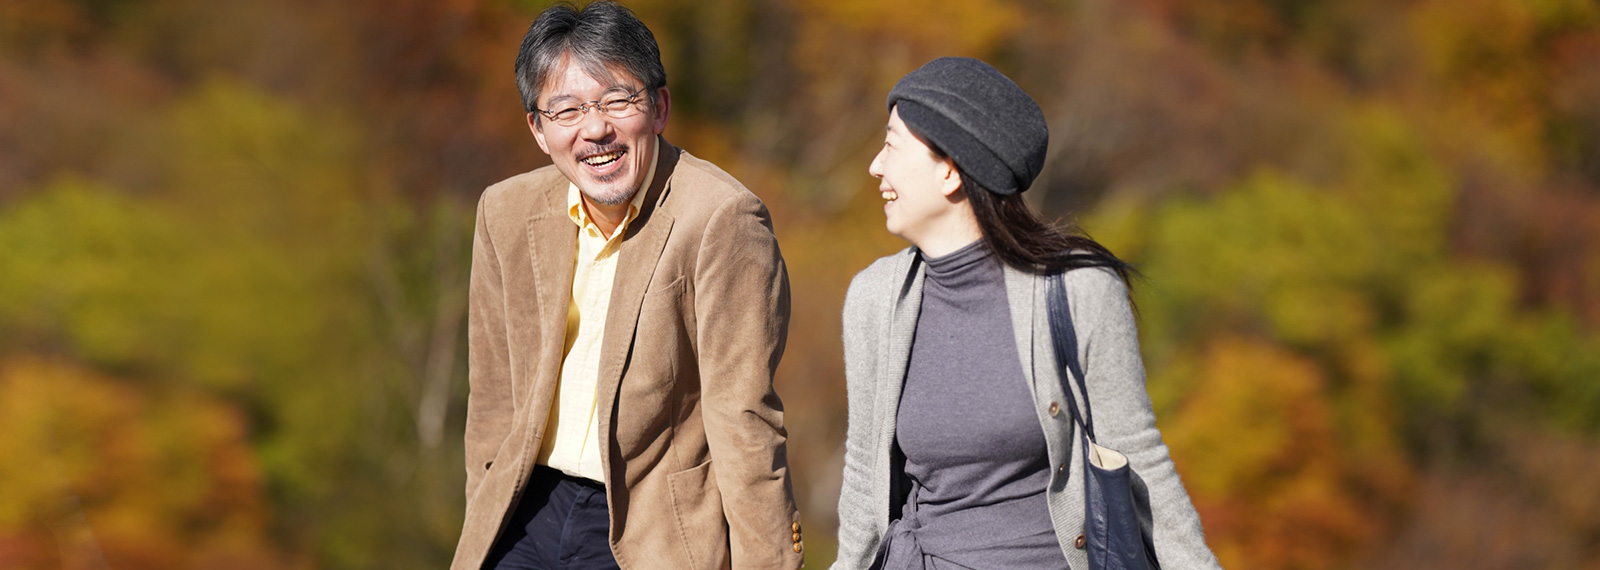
x=603, y=160
x=889, y=195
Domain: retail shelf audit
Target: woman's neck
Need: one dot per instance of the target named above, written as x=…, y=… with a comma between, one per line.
x=951, y=233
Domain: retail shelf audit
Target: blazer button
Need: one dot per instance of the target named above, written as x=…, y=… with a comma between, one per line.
x=1079, y=542
x=1055, y=409
x=796, y=548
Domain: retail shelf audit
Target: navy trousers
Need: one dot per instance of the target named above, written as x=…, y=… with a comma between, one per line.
x=560, y=523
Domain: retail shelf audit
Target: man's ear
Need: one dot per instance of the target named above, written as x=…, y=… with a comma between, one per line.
x=538, y=132
x=663, y=107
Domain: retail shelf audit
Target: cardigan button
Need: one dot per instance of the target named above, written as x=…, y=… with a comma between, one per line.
x=796, y=548
x=794, y=526
x=796, y=538
x=1055, y=409
x=1080, y=542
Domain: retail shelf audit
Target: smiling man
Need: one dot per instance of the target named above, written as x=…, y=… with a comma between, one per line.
x=629, y=306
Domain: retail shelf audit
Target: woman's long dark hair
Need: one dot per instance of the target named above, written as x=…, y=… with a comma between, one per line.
x=1025, y=241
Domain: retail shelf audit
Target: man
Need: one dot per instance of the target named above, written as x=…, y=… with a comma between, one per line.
x=628, y=308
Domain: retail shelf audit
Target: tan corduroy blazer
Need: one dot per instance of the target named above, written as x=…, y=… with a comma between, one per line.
x=695, y=464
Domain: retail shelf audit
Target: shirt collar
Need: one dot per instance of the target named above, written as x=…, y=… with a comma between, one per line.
x=580, y=216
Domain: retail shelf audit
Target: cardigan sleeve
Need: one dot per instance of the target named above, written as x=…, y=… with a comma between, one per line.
x=1124, y=420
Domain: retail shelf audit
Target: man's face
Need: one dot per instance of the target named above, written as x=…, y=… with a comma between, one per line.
x=605, y=157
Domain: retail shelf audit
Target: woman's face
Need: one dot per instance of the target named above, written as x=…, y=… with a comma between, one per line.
x=918, y=185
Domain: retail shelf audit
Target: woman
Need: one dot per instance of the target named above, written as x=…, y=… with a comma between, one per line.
x=961, y=450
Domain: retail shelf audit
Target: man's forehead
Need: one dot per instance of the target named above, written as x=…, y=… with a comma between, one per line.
x=610, y=77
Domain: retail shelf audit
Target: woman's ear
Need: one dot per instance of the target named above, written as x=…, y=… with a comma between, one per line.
x=949, y=177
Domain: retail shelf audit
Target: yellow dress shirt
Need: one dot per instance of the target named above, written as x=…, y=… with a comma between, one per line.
x=572, y=434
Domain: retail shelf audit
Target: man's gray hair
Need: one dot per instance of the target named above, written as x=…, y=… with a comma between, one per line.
x=601, y=38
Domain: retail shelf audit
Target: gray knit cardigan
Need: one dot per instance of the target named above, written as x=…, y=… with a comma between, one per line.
x=880, y=315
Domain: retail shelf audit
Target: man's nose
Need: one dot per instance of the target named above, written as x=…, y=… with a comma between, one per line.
x=594, y=126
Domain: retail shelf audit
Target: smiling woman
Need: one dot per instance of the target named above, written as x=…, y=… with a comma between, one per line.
x=961, y=449
x=925, y=205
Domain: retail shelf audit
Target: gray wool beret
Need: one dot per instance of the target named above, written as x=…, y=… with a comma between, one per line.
x=991, y=128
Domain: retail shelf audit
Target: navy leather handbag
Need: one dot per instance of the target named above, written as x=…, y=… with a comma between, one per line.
x=1117, y=519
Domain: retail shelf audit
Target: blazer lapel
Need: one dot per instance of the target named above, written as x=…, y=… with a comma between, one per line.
x=636, y=264
x=552, y=245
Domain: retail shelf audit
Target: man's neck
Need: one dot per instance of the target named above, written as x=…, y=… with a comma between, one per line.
x=606, y=218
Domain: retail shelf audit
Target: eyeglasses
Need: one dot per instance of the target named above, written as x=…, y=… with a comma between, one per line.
x=615, y=107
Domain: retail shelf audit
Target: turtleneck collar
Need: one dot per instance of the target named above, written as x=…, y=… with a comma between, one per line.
x=970, y=264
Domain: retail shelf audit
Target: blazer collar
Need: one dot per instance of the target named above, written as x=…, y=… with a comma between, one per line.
x=642, y=245
x=552, y=243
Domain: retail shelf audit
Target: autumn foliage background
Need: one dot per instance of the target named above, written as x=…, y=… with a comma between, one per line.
x=234, y=241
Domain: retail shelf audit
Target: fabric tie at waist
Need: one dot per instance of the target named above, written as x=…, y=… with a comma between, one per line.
x=1003, y=535
x=901, y=547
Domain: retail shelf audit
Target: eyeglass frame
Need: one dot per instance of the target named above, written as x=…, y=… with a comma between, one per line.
x=583, y=109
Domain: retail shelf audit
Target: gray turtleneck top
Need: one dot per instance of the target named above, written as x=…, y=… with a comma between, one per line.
x=974, y=449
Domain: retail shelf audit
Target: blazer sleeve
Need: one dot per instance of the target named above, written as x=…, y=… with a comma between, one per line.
x=489, y=406
x=858, y=537
x=742, y=319
x=1124, y=420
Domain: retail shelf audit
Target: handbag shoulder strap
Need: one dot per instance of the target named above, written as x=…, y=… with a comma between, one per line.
x=1065, y=340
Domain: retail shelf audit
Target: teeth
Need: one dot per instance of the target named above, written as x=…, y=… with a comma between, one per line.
x=600, y=159
x=890, y=195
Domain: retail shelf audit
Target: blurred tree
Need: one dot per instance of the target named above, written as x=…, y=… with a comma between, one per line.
x=100, y=474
